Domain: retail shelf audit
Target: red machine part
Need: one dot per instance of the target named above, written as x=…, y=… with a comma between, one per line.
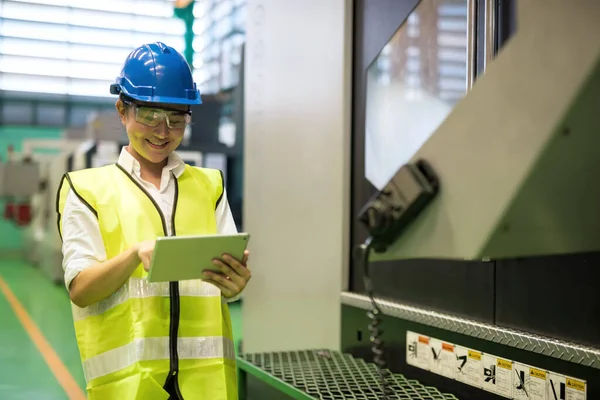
x=23, y=215
x=9, y=210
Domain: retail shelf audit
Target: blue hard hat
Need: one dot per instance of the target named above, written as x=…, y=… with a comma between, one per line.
x=157, y=73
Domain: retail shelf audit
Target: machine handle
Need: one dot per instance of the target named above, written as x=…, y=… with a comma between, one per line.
x=392, y=209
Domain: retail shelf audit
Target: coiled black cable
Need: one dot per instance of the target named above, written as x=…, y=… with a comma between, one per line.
x=374, y=327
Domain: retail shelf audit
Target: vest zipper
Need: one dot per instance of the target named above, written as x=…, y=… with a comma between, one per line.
x=175, y=307
x=174, y=327
x=172, y=380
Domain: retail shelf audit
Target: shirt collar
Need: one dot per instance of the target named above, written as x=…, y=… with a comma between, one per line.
x=131, y=165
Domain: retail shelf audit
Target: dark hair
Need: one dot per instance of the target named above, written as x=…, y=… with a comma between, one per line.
x=125, y=99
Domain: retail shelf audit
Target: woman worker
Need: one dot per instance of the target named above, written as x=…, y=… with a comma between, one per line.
x=141, y=340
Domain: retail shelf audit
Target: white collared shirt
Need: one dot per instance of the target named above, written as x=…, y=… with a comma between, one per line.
x=82, y=241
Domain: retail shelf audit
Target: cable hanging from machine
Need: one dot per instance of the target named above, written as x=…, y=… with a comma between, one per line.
x=374, y=327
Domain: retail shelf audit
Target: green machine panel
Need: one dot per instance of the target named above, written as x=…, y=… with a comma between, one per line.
x=484, y=361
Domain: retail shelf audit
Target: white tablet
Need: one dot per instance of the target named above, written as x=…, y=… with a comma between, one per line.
x=179, y=258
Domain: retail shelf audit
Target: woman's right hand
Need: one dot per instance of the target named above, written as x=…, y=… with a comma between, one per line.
x=103, y=279
x=144, y=252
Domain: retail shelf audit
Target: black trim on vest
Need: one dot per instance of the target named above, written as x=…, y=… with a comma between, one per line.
x=222, y=191
x=175, y=199
x=171, y=384
x=59, y=217
x=58, y=214
x=136, y=183
x=88, y=205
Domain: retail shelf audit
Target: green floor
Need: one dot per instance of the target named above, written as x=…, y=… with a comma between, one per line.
x=23, y=372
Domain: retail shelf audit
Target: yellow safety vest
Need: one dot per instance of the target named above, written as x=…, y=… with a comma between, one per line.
x=147, y=333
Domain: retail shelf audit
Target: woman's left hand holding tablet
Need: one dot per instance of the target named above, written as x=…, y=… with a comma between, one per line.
x=234, y=275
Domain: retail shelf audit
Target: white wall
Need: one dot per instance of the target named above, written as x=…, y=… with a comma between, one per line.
x=297, y=171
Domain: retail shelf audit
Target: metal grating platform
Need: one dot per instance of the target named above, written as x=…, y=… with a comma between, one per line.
x=330, y=375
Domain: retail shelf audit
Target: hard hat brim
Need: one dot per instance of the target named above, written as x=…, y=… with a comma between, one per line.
x=116, y=88
x=165, y=100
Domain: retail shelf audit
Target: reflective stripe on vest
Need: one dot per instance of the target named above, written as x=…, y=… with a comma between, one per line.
x=150, y=349
x=140, y=288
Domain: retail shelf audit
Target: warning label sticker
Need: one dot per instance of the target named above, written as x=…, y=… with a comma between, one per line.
x=576, y=389
x=556, y=387
x=442, y=360
x=528, y=383
x=469, y=368
x=560, y=387
x=417, y=350
x=497, y=375
x=537, y=384
x=521, y=382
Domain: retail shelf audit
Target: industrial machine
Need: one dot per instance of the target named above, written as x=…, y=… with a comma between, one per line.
x=478, y=245
x=42, y=245
x=33, y=174
x=19, y=178
x=95, y=145
x=19, y=181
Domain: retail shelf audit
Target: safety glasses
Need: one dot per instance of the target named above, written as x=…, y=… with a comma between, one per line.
x=153, y=117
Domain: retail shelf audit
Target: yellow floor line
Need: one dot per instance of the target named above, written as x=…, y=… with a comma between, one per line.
x=59, y=370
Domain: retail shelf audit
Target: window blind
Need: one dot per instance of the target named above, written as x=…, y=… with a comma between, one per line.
x=77, y=47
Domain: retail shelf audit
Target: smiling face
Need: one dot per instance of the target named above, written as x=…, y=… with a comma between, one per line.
x=152, y=143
